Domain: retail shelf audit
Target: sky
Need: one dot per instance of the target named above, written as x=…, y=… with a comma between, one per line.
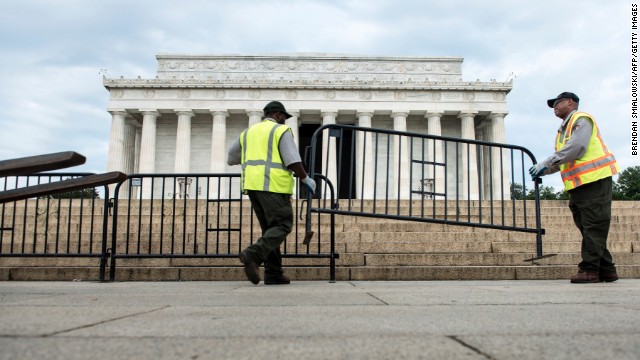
x=54, y=54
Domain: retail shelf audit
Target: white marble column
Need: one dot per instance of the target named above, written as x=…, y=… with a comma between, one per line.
x=401, y=169
x=255, y=116
x=329, y=159
x=434, y=127
x=218, y=152
x=182, y=162
x=294, y=124
x=365, y=158
x=117, y=152
x=148, y=149
x=482, y=134
x=130, y=128
x=497, y=134
x=137, y=147
x=116, y=159
x=135, y=191
x=469, y=169
x=183, y=142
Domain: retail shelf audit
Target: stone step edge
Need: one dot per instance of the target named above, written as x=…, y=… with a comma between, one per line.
x=426, y=273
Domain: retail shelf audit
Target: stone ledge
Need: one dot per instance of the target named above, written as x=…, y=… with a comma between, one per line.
x=371, y=273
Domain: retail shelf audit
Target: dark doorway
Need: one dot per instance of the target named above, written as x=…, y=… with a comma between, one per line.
x=305, y=133
x=345, y=154
x=345, y=146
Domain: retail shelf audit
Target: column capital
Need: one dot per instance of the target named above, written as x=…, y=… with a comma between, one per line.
x=494, y=115
x=333, y=113
x=254, y=112
x=431, y=114
x=294, y=113
x=153, y=112
x=118, y=112
x=360, y=113
x=467, y=113
x=188, y=112
x=215, y=112
x=396, y=114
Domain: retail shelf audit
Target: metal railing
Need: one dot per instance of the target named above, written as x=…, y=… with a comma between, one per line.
x=196, y=216
x=374, y=173
x=72, y=224
x=418, y=177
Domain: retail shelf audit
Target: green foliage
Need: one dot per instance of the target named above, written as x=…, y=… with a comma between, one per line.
x=517, y=192
x=628, y=185
x=77, y=194
x=546, y=193
x=626, y=188
x=562, y=195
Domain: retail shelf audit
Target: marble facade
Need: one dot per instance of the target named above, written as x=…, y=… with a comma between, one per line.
x=182, y=120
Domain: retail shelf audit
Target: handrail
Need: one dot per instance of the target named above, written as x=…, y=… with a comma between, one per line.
x=40, y=163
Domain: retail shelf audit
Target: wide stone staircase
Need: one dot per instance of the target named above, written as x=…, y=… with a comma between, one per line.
x=368, y=248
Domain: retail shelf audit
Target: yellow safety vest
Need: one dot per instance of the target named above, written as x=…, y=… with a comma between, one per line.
x=596, y=163
x=262, y=166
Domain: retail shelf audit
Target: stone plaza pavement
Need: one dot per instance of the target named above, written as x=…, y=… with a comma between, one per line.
x=320, y=320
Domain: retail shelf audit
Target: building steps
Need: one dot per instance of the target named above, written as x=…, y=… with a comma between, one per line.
x=369, y=248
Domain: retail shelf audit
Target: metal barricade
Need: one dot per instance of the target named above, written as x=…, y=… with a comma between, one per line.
x=71, y=224
x=194, y=216
x=419, y=177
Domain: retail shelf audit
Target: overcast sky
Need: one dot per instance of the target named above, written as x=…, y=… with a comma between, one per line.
x=52, y=97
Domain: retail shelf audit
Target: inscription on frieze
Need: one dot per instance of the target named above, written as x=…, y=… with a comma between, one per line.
x=310, y=69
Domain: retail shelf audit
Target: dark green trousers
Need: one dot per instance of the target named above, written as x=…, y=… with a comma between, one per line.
x=275, y=214
x=590, y=205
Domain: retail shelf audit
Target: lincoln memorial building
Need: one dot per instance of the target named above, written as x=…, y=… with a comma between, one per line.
x=183, y=119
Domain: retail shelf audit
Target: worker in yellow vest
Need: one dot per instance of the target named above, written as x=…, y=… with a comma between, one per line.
x=586, y=166
x=269, y=155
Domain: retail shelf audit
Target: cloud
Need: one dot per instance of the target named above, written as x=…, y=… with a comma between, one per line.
x=51, y=96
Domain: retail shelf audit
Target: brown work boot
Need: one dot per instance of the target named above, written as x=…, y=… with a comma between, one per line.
x=281, y=280
x=608, y=276
x=584, y=276
x=250, y=268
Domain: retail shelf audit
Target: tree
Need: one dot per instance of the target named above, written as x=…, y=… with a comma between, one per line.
x=628, y=185
x=76, y=194
x=546, y=192
x=517, y=192
x=626, y=188
x=562, y=195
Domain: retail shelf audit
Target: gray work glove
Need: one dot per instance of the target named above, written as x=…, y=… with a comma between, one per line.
x=310, y=184
x=537, y=170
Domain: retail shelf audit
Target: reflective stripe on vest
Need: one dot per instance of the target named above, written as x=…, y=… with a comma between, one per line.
x=596, y=163
x=262, y=166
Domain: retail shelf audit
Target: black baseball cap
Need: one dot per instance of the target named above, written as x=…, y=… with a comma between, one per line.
x=564, y=95
x=276, y=106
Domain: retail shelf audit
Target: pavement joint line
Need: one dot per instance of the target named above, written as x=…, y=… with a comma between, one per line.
x=470, y=347
x=102, y=322
x=377, y=298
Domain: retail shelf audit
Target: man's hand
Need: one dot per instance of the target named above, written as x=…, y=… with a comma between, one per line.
x=537, y=170
x=310, y=184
